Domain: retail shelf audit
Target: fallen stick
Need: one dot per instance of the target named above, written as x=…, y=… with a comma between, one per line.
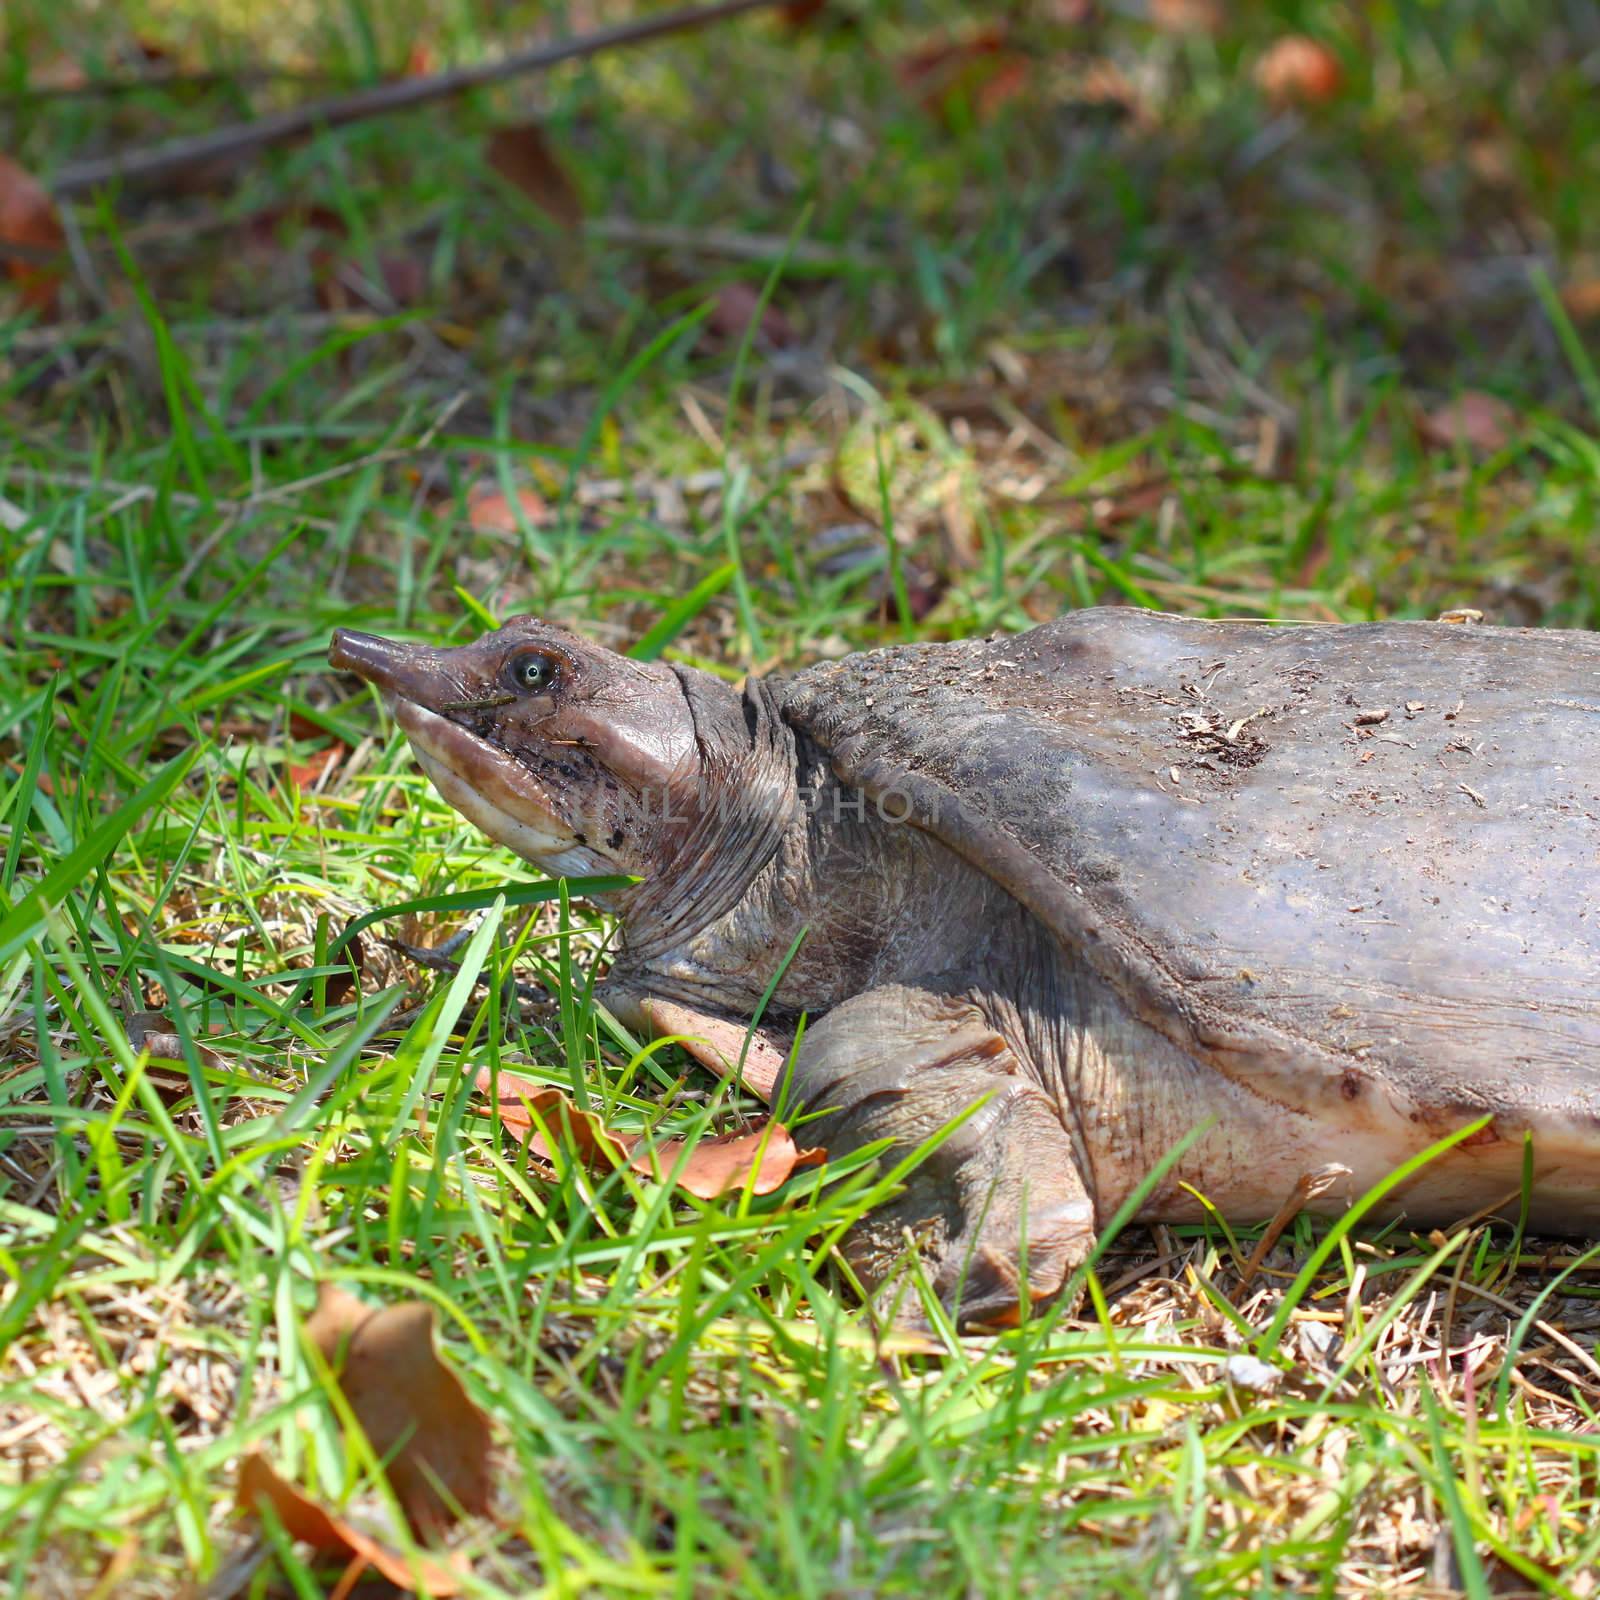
x=157, y=161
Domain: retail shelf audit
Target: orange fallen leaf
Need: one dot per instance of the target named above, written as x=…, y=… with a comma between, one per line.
x=736, y=305
x=1480, y=421
x=1104, y=83
x=411, y=1406
x=1582, y=299
x=762, y=1157
x=307, y=774
x=720, y=1163
x=490, y=510
x=1298, y=70
x=29, y=223
x=521, y=154
x=524, y=1105
x=46, y=784
x=315, y=1525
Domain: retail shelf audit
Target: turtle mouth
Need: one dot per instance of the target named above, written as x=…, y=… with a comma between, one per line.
x=482, y=781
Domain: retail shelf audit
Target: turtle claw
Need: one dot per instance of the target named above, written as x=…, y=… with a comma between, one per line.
x=986, y=1283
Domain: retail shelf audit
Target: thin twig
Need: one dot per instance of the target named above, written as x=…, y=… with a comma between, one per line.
x=1307, y=1187
x=157, y=161
x=158, y=78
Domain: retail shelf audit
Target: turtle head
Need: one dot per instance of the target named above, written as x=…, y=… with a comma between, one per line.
x=580, y=760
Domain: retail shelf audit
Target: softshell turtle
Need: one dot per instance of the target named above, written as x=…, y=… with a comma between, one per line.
x=1335, y=888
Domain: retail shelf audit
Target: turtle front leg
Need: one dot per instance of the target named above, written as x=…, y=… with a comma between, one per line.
x=1000, y=1197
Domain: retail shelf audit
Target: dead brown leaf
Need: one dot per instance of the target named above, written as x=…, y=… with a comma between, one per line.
x=411, y=1406
x=1299, y=70
x=736, y=304
x=31, y=227
x=984, y=69
x=1482, y=422
x=152, y=1032
x=936, y=58
x=521, y=154
x=315, y=1525
x=490, y=510
x=762, y=1157
x=341, y=985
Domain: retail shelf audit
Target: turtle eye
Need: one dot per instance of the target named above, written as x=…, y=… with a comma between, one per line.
x=533, y=672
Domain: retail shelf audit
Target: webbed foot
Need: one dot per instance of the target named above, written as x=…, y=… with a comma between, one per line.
x=998, y=1211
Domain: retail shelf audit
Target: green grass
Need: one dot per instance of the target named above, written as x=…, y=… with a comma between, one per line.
x=1070, y=355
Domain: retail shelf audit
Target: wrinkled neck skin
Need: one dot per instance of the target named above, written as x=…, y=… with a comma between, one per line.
x=783, y=856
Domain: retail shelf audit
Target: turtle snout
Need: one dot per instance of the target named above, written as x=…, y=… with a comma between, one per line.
x=382, y=662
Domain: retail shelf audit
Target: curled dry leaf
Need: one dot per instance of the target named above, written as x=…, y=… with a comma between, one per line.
x=521, y=154
x=315, y=1525
x=1298, y=70
x=31, y=238
x=762, y=1157
x=167, y=1072
x=491, y=510
x=411, y=1406
x=1480, y=421
x=525, y=1105
x=153, y=1031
